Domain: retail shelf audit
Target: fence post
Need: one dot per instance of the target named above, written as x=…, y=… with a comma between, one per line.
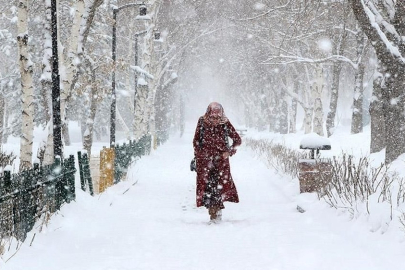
x=118, y=163
x=34, y=196
x=69, y=175
x=7, y=180
x=56, y=174
x=107, y=168
x=87, y=173
x=82, y=180
x=7, y=217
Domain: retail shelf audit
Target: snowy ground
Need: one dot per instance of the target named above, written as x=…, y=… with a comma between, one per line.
x=150, y=222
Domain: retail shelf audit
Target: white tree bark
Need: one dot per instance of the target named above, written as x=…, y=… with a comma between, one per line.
x=306, y=100
x=70, y=62
x=46, y=80
x=2, y=107
x=141, y=103
x=26, y=71
x=48, y=155
x=144, y=97
x=293, y=110
x=128, y=77
x=318, y=109
x=308, y=119
x=122, y=123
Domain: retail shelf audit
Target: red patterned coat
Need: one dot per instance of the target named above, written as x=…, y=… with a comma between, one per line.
x=209, y=155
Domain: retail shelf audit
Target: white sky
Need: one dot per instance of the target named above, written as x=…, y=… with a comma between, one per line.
x=156, y=225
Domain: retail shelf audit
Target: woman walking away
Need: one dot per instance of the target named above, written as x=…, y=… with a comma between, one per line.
x=211, y=149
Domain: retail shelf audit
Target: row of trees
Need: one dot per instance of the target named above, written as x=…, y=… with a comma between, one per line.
x=275, y=56
x=84, y=37
x=325, y=56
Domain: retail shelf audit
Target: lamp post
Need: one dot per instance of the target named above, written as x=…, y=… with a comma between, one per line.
x=57, y=134
x=142, y=15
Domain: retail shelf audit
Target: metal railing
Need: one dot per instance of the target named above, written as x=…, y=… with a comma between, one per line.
x=26, y=196
x=125, y=153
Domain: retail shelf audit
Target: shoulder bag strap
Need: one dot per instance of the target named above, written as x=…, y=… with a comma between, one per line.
x=226, y=136
x=200, y=142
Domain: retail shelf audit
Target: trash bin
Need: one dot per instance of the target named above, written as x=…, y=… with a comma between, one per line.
x=314, y=172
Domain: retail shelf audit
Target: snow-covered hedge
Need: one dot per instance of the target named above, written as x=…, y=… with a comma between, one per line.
x=374, y=192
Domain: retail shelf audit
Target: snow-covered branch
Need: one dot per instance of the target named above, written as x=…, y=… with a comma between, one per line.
x=378, y=23
x=263, y=14
x=298, y=59
x=142, y=71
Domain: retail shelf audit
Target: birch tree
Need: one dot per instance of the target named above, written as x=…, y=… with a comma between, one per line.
x=45, y=151
x=26, y=86
x=69, y=64
x=146, y=84
x=339, y=38
x=317, y=88
x=2, y=107
x=5, y=47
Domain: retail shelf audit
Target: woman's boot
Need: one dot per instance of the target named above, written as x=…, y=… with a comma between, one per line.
x=213, y=213
x=219, y=214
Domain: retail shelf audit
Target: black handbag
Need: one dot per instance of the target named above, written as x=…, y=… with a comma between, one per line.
x=193, y=166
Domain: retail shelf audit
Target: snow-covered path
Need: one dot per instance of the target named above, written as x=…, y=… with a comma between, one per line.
x=150, y=222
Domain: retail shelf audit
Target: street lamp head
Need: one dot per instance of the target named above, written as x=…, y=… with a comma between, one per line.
x=142, y=13
x=142, y=10
x=157, y=34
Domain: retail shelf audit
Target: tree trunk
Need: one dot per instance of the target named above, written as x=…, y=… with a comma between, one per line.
x=145, y=98
x=283, y=114
x=377, y=142
x=5, y=126
x=318, y=109
x=2, y=103
x=293, y=115
x=141, y=103
x=308, y=119
x=393, y=66
x=330, y=119
x=49, y=153
x=88, y=134
x=123, y=125
x=46, y=150
x=70, y=66
x=26, y=72
x=357, y=114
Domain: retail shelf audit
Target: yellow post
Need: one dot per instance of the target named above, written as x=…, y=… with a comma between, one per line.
x=107, y=156
x=154, y=140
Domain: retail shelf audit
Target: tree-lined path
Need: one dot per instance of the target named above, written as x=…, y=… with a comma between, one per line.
x=151, y=222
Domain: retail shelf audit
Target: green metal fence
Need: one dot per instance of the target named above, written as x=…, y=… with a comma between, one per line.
x=84, y=171
x=26, y=196
x=125, y=153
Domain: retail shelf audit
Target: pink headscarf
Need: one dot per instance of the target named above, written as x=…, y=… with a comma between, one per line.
x=214, y=108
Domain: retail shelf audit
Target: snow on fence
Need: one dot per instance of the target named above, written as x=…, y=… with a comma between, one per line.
x=100, y=172
x=28, y=195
